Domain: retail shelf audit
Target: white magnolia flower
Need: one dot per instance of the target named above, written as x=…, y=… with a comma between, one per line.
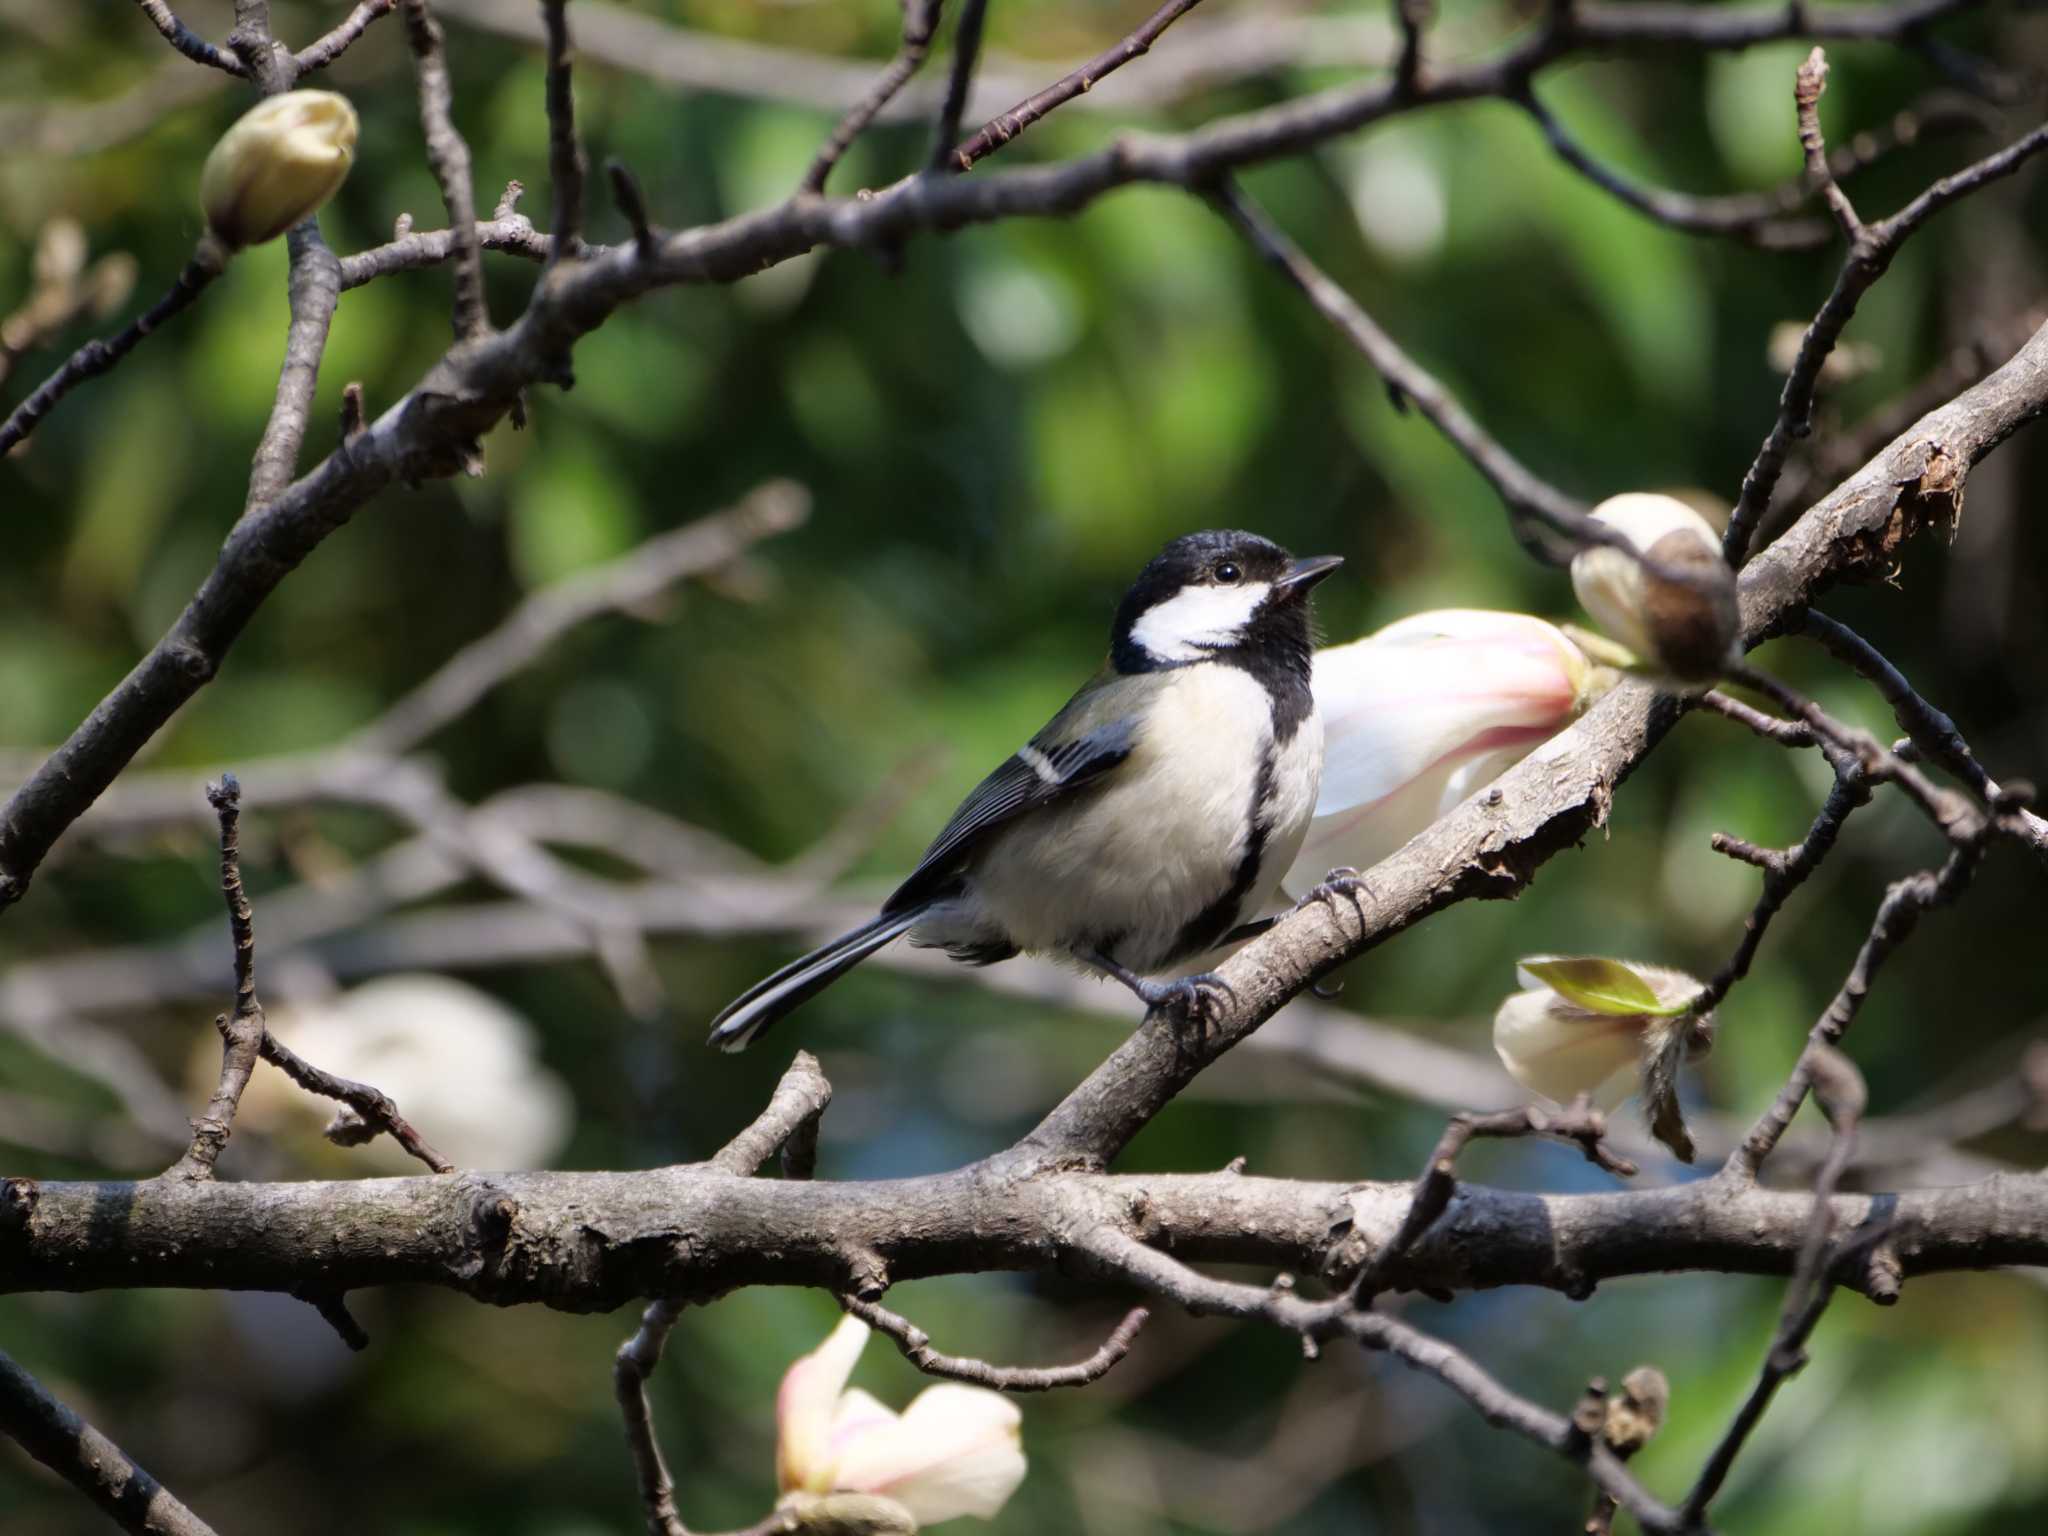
x=462, y=1067
x=279, y=162
x=954, y=1451
x=1422, y=713
x=1589, y=1025
x=1686, y=630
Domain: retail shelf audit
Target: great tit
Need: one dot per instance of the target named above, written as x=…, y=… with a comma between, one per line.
x=1150, y=820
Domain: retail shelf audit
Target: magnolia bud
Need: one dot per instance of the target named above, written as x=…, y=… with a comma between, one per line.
x=280, y=161
x=1606, y=1029
x=1421, y=714
x=1685, y=628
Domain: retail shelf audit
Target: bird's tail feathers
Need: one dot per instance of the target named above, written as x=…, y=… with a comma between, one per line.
x=750, y=1014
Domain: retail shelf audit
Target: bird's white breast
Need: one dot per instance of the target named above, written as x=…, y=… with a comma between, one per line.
x=1133, y=864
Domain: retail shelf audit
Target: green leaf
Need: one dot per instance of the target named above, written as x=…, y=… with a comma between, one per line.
x=1597, y=985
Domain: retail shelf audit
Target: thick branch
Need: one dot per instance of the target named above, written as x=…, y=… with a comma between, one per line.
x=595, y=1241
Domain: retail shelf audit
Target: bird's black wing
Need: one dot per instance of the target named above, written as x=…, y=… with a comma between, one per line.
x=1055, y=764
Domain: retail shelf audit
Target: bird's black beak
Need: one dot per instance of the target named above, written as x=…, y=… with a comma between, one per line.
x=1304, y=574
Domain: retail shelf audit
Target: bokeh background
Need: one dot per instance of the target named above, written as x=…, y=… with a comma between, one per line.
x=996, y=432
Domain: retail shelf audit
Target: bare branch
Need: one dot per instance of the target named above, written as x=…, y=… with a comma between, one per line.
x=1784, y=872
x=635, y=1362
x=1160, y=1274
x=1526, y=496
x=1761, y=219
x=1897, y=916
x=242, y=1031
x=920, y=21
x=1870, y=256
x=1005, y=126
x=448, y=154
x=565, y=155
x=188, y=42
x=1931, y=730
x=97, y=357
x=324, y=50
x=966, y=54
x=1808, y=85
x=917, y=1348
x=1840, y=1088
x=88, y=1460
x=799, y=1100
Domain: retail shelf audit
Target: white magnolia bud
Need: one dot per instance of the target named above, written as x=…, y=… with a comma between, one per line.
x=954, y=1451
x=1589, y=1025
x=1687, y=629
x=280, y=161
x=1422, y=713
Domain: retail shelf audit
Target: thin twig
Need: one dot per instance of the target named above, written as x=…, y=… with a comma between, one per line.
x=966, y=54
x=798, y=1102
x=1005, y=126
x=242, y=1030
x=448, y=155
x=1757, y=218
x=1810, y=82
x=1784, y=872
x=1411, y=17
x=920, y=21
x=1786, y=733
x=917, y=1348
x=1527, y=497
x=188, y=42
x=1871, y=250
x=1160, y=1274
x=565, y=154
x=324, y=50
x=96, y=356
x=1841, y=1091
x=626, y=193
x=635, y=1362
x=1905, y=901
x=88, y=1460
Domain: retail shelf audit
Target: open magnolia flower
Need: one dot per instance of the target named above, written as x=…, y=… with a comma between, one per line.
x=1420, y=714
x=1685, y=629
x=1605, y=1029
x=954, y=1451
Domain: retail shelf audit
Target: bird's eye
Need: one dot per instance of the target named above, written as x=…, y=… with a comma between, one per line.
x=1227, y=572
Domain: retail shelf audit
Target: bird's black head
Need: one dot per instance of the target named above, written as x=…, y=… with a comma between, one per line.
x=1221, y=595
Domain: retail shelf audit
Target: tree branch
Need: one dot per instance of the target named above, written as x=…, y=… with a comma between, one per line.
x=448, y=155
x=88, y=1460
x=917, y=1348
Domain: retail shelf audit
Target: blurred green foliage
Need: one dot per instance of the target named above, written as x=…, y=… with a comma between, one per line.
x=997, y=431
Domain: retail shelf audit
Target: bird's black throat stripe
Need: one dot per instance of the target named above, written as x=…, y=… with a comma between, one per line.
x=1208, y=926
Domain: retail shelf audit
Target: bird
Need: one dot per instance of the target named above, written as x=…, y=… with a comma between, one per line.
x=1149, y=822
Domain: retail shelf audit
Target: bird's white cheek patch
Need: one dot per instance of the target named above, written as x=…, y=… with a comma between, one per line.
x=1198, y=620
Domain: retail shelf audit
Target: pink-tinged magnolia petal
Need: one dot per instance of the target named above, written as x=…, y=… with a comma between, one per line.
x=807, y=1408
x=1421, y=714
x=955, y=1451
x=1561, y=1052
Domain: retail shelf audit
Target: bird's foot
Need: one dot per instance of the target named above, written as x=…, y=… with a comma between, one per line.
x=1344, y=882
x=1192, y=1005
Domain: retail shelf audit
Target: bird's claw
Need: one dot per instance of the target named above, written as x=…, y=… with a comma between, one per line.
x=1343, y=881
x=1191, y=1003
